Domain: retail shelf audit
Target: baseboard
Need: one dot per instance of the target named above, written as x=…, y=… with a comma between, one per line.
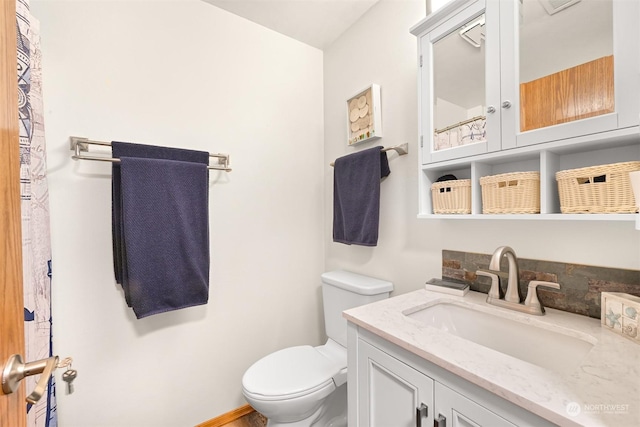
x=228, y=417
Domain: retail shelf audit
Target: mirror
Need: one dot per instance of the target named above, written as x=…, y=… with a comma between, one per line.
x=459, y=86
x=566, y=61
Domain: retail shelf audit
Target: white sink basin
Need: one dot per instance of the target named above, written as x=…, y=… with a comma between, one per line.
x=557, y=351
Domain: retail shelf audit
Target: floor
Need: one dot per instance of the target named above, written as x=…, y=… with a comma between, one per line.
x=253, y=419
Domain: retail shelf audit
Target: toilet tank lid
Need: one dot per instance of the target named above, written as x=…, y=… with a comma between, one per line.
x=363, y=285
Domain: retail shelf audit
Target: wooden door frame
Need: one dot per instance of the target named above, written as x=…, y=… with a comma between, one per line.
x=12, y=406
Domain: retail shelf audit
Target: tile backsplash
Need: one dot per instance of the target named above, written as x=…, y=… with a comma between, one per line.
x=580, y=285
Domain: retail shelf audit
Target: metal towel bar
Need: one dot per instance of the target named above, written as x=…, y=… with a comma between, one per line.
x=80, y=145
x=401, y=149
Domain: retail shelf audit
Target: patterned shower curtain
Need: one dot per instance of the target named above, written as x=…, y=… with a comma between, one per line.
x=34, y=193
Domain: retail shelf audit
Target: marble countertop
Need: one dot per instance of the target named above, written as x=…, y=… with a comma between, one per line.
x=605, y=385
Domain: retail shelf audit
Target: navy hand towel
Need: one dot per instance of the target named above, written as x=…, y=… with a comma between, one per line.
x=165, y=228
x=126, y=149
x=356, y=196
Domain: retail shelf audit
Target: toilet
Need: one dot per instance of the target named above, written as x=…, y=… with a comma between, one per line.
x=306, y=386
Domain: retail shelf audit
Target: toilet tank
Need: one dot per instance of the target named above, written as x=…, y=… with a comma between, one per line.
x=342, y=290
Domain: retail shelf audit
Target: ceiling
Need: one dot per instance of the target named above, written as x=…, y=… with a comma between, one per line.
x=317, y=23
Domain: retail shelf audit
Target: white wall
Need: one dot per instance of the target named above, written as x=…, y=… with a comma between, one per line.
x=379, y=49
x=183, y=74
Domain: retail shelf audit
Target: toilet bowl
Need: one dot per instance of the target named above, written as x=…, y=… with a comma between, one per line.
x=293, y=384
x=305, y=386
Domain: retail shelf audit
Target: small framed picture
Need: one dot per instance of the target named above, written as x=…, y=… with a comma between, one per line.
x=364, y=116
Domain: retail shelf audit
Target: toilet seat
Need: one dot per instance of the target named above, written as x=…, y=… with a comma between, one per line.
x=290, y=373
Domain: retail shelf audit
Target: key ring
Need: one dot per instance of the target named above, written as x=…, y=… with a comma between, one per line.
x=66, y=362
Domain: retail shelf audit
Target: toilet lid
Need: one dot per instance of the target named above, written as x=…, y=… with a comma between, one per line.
x=290, y=372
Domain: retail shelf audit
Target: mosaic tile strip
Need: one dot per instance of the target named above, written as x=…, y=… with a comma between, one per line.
x=581, y=285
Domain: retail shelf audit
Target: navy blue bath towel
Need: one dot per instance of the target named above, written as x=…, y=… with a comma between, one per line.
x=356, y=196
x=165, y=228
x=126, y=149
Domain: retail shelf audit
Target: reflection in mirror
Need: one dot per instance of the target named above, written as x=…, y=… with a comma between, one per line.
x=459, y=86
x=566, y=61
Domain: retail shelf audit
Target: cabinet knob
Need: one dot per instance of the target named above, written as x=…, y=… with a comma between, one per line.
x=506, y=104
x=491, y=109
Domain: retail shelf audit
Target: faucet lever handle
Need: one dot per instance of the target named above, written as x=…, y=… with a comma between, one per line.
x=495, y=291
x=532, y=293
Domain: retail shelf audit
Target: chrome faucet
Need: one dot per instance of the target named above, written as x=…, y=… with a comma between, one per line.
x=512, y=298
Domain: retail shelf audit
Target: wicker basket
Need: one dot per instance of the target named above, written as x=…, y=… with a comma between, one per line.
x=597, y=189
x=451, y=197
x=510, y=193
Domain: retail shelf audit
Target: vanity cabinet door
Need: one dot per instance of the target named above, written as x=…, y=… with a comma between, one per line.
x=390, y=392
x=459, y=411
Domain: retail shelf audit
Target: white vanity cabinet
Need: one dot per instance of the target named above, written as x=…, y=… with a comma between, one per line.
x=390, y=387
x=516, y=85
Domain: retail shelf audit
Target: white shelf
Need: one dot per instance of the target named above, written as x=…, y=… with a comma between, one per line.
x=547, y=162
x=635, y=218
x=537, y=217
x=628, y=137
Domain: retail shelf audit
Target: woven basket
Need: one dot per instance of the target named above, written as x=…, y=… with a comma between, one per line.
x=597, y=189
x=510, y=193
x=451, y=197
